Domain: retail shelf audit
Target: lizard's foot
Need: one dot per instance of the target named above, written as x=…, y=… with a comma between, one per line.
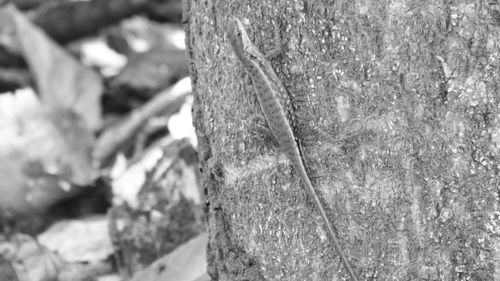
x=262, y=129
x=277, y=49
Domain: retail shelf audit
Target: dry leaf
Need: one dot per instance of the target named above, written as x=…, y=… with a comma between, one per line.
x=62, y=81
x=84, y=240
x=41, y=152
x=187, y=263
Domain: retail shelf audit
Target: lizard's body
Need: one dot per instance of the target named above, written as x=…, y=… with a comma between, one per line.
x=278, y=111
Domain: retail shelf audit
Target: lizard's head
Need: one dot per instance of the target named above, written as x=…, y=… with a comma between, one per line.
x=237, y=36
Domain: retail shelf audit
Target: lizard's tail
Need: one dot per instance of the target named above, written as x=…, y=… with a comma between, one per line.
x=299, y=166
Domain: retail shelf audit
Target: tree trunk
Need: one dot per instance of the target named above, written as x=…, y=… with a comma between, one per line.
x=398, y=117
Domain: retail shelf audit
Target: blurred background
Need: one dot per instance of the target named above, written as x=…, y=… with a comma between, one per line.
x=98, y=163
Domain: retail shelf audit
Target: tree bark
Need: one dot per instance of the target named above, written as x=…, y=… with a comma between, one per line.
x=398, y=115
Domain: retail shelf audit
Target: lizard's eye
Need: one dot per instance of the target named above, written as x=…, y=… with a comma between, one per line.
x=238, y=34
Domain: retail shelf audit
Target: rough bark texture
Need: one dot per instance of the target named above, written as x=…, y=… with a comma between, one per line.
x=399, y=118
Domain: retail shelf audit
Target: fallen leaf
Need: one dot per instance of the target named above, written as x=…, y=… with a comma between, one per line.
x=62, y=81
x=84, y=240
x=187, y=263
x=44, y=154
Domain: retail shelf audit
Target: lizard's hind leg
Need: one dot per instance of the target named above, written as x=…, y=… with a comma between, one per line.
x=262, y=130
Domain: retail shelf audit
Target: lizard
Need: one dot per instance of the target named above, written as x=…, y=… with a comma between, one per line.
x=279, y=114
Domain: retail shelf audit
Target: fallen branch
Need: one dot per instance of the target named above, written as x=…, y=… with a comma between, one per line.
x=166, y=103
